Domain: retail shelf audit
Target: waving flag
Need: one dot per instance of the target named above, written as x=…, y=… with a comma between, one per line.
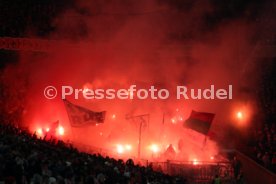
x=80, y=116
x=200, y=121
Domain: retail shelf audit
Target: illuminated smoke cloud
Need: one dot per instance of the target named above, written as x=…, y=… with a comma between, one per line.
x=120, y=43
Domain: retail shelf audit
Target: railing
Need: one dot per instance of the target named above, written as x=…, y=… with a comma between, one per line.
x=196, y=172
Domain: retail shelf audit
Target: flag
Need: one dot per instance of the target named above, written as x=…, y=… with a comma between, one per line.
x=200, y=121
x=212, y=135
x=80, y=116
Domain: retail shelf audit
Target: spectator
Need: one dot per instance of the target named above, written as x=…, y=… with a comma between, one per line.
x=27, y=159
x=236, y=164
x=216, y=180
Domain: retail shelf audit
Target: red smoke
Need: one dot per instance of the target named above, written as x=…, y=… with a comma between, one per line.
x=119, y=44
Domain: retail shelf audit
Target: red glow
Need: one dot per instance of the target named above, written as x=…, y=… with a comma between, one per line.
x=120, y=149
x=60, y=130
x=116, y=59
x=173, y=121
x=242, y=114
x=195, y=162
x=128, y=147
x=154, y=148
x=39, y=131
x=239, y=115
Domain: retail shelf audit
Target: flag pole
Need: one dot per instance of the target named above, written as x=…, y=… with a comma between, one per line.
x=139, y=143
x=204, y=142
x=142, y=121
x=163, y=121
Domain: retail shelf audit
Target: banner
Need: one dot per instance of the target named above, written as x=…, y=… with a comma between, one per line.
x=80, y=116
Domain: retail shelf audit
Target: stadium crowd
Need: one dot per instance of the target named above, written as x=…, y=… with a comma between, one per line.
x=264, y=146
x=25, y=158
